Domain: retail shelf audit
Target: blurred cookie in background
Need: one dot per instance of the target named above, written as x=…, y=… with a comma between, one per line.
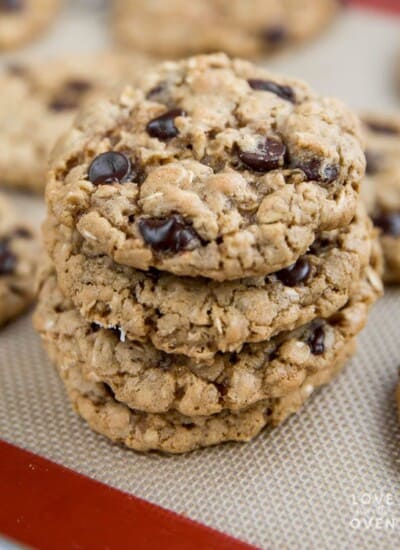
x=245, y=28
x=38, y=102
x=18, y=262
x=381, y=189
x=22, y=20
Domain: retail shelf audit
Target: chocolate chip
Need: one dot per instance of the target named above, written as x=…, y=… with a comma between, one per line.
x=77, y=86
x=285, y=92
x=233, y=358
x=314, y=170
x=60, y=104
x=296, y=273
x=388, y=222
x=163, y=127
x=8, y=260
x=111, y=167
x=156, y=91
x=95, y=327
x=316, y=340
x=373, y=162
x=172, y=234
x=274, y=36
x=222, y=388
x=190, y=426
x=269, y=156
x=23, y=233
x=382, y=127
x=12, y=5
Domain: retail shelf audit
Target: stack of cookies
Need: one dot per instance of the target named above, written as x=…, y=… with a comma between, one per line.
x=210, y=263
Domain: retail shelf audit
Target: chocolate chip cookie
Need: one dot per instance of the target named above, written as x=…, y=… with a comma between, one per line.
x=196, y=318
x=22, y=20
x=18, y=261
x=152, y=381
x=173, y=432
x=39, y=102
x=243, y=28
x=210, y=167
x=381, y=189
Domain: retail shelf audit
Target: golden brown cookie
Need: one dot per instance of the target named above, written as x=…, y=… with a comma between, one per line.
x=244, y=28
x=210, y=167
x=38, y=104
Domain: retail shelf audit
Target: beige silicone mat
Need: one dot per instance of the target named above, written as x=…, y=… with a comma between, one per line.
x=329, y=478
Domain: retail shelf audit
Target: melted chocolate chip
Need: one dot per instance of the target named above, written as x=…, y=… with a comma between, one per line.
x=296, y=273
x=111, y=167
x=221, y=387
x=78, y=86
x=388, y=222
x=273, y=36
x=60, y=104
x=190, y=426
x=382, y=127
x=314, y=171
x=12, y=5
x=163, y=127
x=316, y=340
x=8, y=260
x=285, y=92
x=172, y=234
x=23, y=233
x=269, y=156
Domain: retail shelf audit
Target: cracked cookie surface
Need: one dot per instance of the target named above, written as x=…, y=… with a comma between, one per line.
x=381, y=188
x=45, y=96
x=245, y=28
x=210, y=167
x=18, y=262
x=22, y=20
x=198, y=318
x=153, y=381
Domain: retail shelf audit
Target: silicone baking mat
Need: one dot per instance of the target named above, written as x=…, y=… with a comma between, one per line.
x=328, y=478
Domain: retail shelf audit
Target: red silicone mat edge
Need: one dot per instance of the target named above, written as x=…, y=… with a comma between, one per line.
x=381, y=5
x=48, y=506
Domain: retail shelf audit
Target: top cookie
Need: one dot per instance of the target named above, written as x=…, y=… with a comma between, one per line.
x=211, y=167
x=239, y=27
x=381, y=188
x=39, y=102
x=21, y=20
